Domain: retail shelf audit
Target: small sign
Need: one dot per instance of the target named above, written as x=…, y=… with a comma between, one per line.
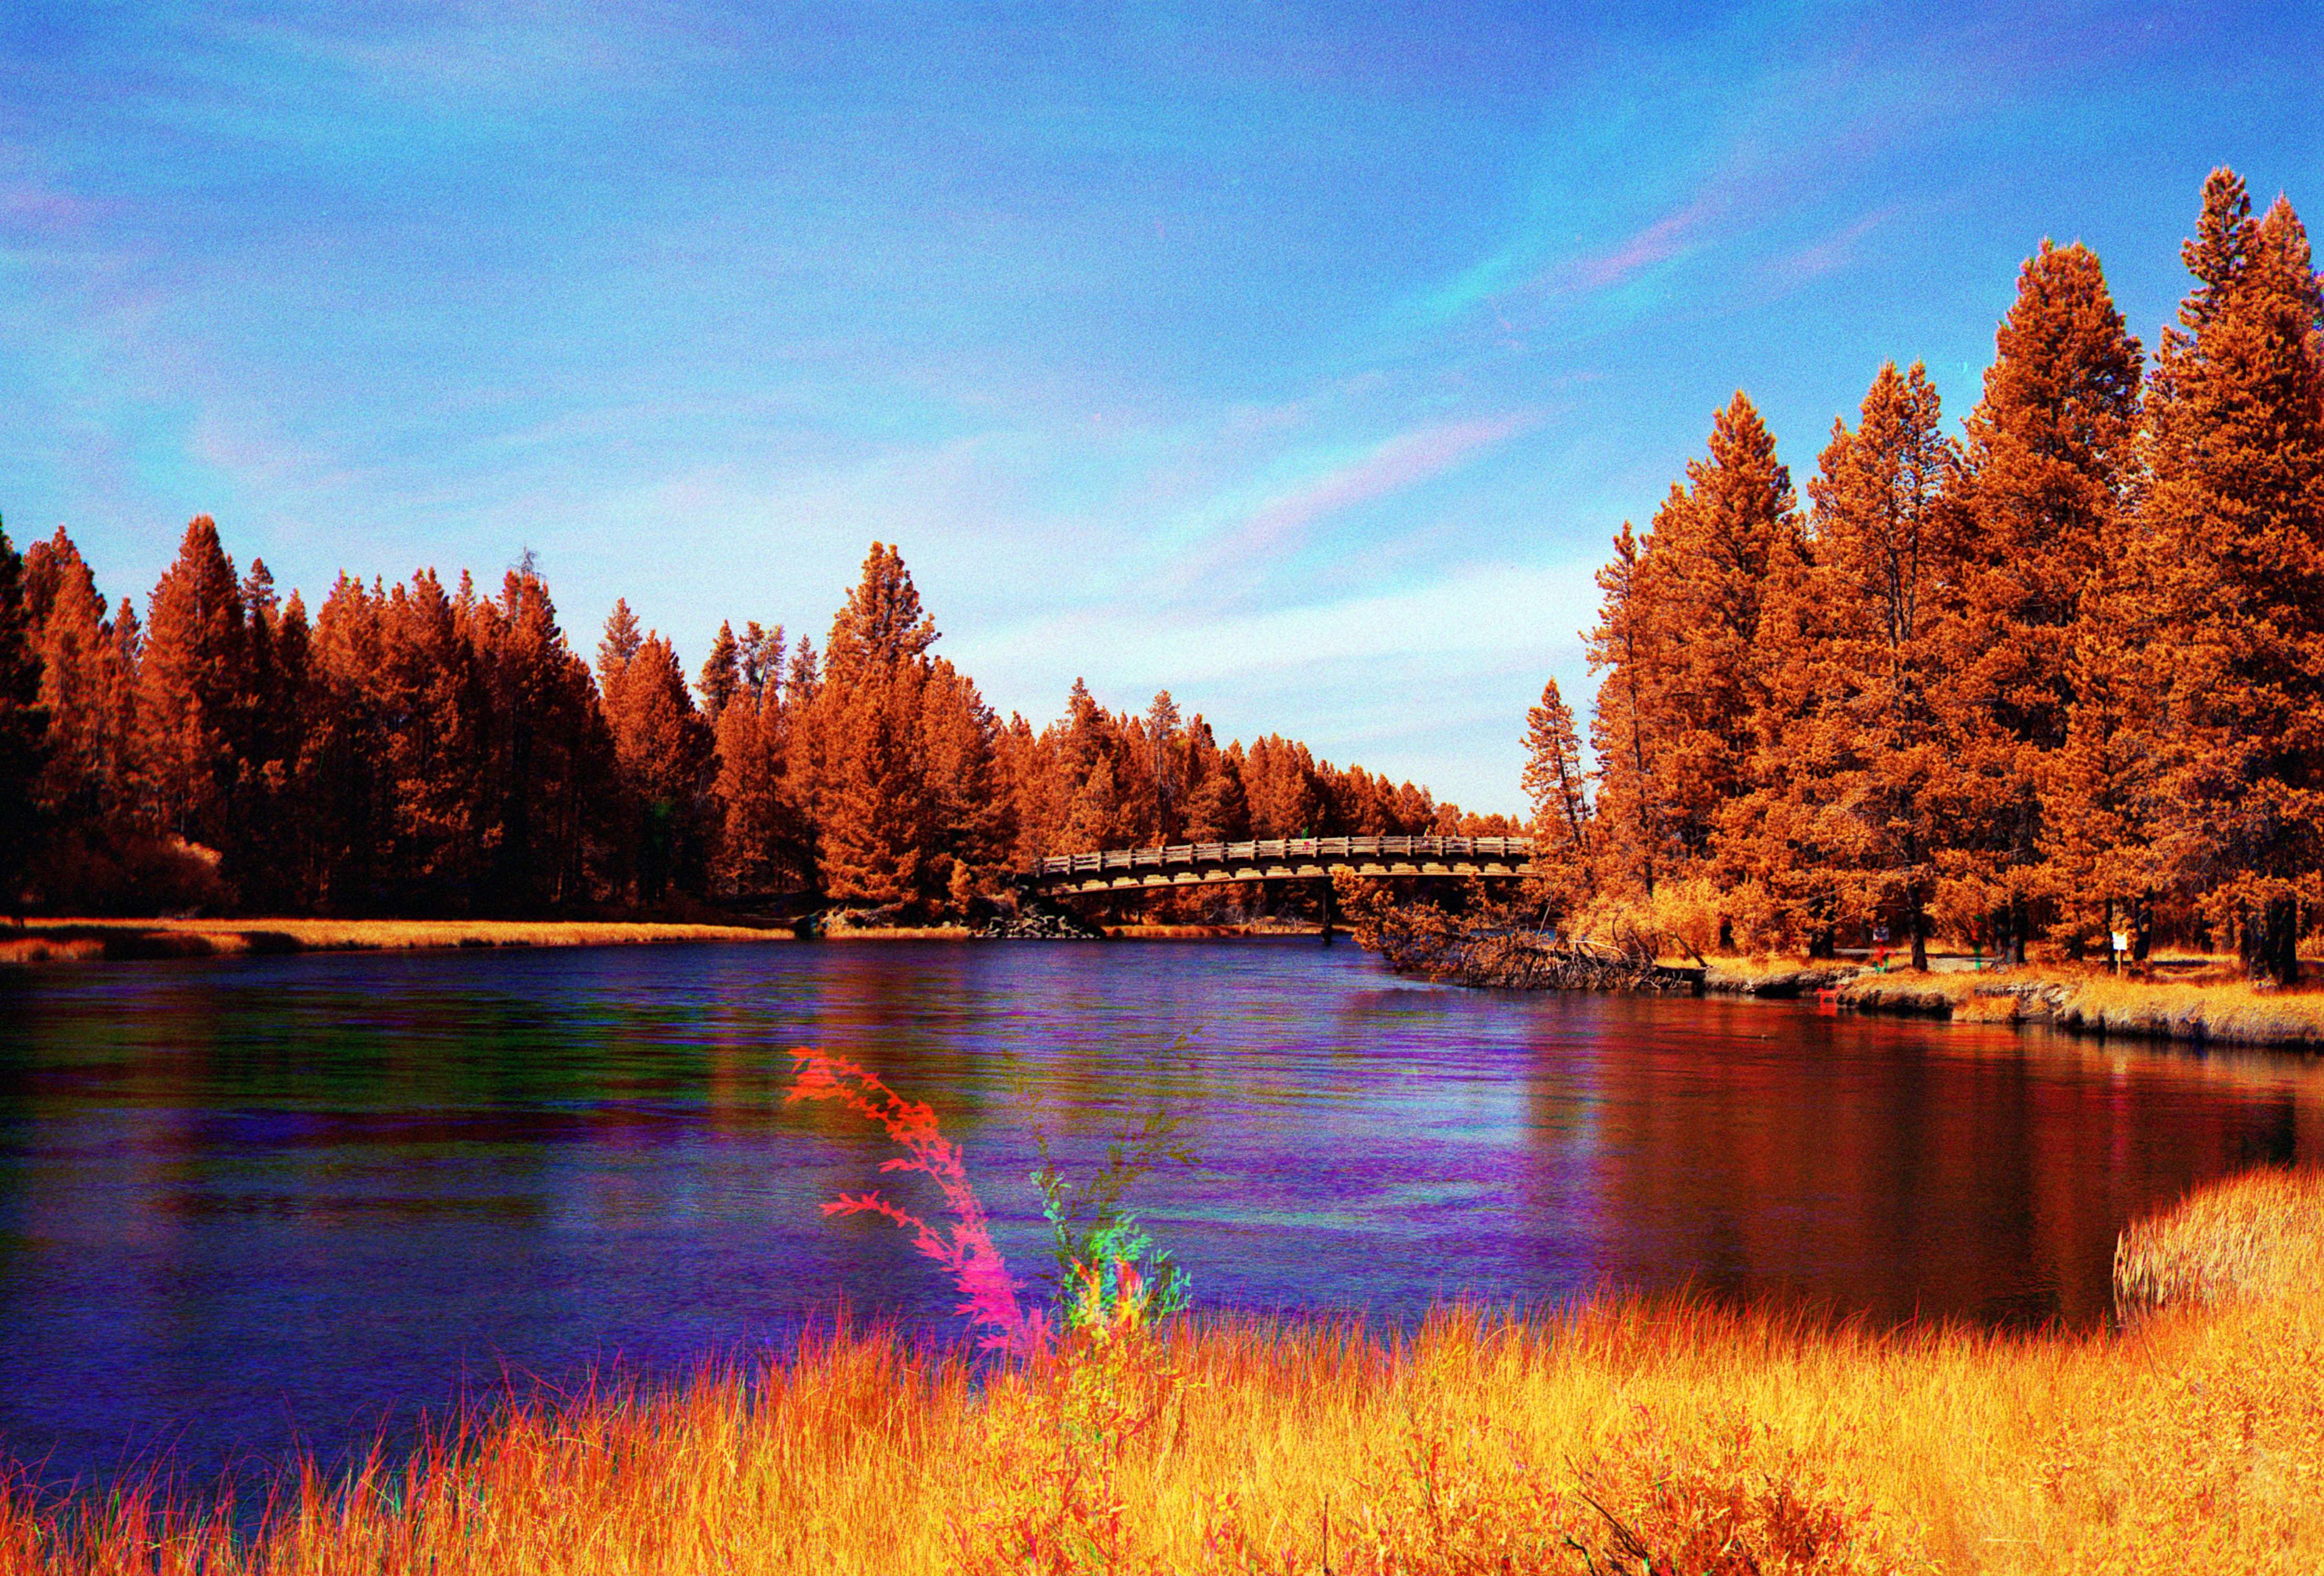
x=2121, y=941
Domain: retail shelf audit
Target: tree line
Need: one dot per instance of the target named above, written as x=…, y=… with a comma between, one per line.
x=2056, y=680
x=420, y=749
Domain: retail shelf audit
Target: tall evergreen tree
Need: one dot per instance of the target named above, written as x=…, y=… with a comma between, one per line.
x=1627, y=725
x=872, y=795
x=721, y=674
x=2235, y=501
x=1714, y=544
x=1556, y=782
x=2046, y=476
x=550, y=755
x=84, y=684
x=189, y=689
x=1887, y=558
x=24, y=731
x=663, y=751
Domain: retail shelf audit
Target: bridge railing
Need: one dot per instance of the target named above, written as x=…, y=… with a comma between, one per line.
x=1264, y=850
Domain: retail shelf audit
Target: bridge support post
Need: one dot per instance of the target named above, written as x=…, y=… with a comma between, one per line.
x=1331, y=908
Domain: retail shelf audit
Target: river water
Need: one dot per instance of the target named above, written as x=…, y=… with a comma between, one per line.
x=250, y=1207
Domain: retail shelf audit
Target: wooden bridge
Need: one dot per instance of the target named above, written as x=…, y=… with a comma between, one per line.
x=1283, y=859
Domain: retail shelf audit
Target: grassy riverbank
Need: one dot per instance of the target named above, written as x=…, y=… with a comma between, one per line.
x=2207, y=1001
x=2226, y=1010
x=1618, y=1433
x=116, y=940
x=82, y=940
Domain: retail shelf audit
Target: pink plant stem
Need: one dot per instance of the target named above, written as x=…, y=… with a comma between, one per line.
x=988, y=1294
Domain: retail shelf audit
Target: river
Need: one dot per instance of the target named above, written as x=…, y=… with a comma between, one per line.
x=253, y=1206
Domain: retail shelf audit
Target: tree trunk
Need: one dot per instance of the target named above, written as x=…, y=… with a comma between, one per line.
x=2270, y=941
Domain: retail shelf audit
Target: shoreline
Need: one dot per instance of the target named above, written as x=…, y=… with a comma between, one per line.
x=148, y=940
x=2204, y=1010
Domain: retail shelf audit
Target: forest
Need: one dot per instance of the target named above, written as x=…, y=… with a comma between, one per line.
x=2056, y=682
x=419, y=750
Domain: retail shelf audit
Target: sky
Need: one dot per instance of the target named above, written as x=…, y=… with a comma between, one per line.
x=1300, y=360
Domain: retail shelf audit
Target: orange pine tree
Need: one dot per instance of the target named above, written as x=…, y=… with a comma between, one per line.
x=1625, y=725
x=1872, y=764
x=1713, y=546
x=23, y=730
x=1561, y=825
x=2046, y=474
x=663, y=757
x=2235, y=504
x=550, y=757
x=869, y=813
x=85, y=685
x=187, y=686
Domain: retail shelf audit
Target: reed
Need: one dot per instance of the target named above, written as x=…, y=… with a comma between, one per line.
x=2258, y=1235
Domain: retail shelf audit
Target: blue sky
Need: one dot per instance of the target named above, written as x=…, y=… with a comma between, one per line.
x=1300, y=360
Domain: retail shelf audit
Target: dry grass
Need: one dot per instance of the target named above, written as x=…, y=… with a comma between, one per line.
x=1667, y=1436
x=2224, y=1009
x=2259, y=1235
x=67, y=940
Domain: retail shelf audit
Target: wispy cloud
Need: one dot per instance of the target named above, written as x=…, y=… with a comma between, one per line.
x=1404, y=461
x=1276, y=523
x=1835, y=251
x=1670, y=236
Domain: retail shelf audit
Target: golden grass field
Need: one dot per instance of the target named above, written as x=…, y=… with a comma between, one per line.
x=1619, y=1436
x=73, y=940
x=2212, y=1005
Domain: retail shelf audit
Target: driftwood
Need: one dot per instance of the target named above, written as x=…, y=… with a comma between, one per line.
x=1419, y=938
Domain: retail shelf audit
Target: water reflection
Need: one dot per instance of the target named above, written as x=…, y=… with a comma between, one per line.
x=250, y=1204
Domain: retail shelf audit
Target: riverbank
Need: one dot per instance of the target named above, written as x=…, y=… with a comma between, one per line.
x=2209, y=1006
x=2199, y=1011
x=114, y=940
x=121, y=940
x=1619, y=1433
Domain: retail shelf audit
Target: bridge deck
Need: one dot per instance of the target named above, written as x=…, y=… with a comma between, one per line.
x=1283, y=858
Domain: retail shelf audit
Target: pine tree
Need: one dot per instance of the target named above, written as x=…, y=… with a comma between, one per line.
x=1561, y=825
x=882, y=624
x=760, y=658
x=1713, y=546
x=24, y=731
x=873, y=806
x=2046, y=476
x=550, y=756
x=2234, y=506
x=1164, y=746
x=971, y=828
x=1218, y=811
x=1887, y=556
x=2101, y=788
x=84, y=684
x=430, y=694
x=663, y=751
x=1782, y=846
x=721, y=674
x=187, y=689
x=766, y=836
x=1626, y=731
x=1094, y=819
